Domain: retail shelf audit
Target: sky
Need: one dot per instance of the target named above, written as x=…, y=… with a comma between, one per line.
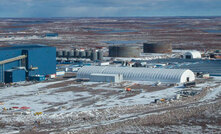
x=108, y=8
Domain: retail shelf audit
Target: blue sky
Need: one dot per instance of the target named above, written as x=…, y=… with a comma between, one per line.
x=108, y=8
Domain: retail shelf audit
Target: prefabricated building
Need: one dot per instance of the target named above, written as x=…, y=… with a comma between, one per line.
x=140, y=74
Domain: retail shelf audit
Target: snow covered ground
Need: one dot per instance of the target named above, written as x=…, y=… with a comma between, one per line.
x=70, y=100
x=39, y=98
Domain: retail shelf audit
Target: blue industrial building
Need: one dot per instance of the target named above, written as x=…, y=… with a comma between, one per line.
x=32, y=59
x=14, y=75
x=51, y=35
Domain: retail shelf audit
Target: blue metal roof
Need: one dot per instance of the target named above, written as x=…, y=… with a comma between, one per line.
x=26, y=46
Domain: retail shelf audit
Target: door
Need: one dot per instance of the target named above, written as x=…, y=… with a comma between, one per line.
x=188, y=57
x=188, y=79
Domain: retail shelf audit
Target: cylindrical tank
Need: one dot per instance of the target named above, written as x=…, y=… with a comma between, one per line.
x=71, y=54
x=68, y=54
x=64, y=53
x=157, y=48
x=124, y=51
x=94, y=55
x=59, y=53
x=88, y=53
x=100, y=55
x=76, y=53
x=82, y=54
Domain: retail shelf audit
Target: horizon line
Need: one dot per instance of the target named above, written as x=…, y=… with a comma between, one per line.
x=112, y=17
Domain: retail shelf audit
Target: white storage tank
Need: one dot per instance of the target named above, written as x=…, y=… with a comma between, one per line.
x=140, y=74
x=106, y=77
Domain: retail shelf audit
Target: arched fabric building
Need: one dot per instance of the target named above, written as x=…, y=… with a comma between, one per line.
x=140, y=74
x=192, y=55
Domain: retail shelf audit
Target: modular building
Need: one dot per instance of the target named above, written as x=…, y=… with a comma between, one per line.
x=140, y=74
x=14, y=75
x=35, y=59
x=106, y=77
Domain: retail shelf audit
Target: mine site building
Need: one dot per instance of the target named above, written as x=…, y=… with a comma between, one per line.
x=19, y=62
x=106, y=77
x=51, y=35
x=140, y=74
x=192, y=55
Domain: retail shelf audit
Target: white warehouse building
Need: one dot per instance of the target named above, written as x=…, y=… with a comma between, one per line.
x=140, y=74
x=192, y=55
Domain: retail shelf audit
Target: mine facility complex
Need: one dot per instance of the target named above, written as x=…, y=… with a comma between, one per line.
x=56, y=85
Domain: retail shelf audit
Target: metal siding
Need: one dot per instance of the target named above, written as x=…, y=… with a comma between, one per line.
x=18, y=75
x=43, y=58
x=124, y=51
x=7, y=54
x=157, y=48
x=14, y=76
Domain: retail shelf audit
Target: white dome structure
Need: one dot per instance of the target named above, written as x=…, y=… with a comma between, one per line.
x=140, y=74
x=192, y=55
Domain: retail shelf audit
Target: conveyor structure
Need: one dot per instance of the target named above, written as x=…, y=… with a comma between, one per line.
x=10, y=60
